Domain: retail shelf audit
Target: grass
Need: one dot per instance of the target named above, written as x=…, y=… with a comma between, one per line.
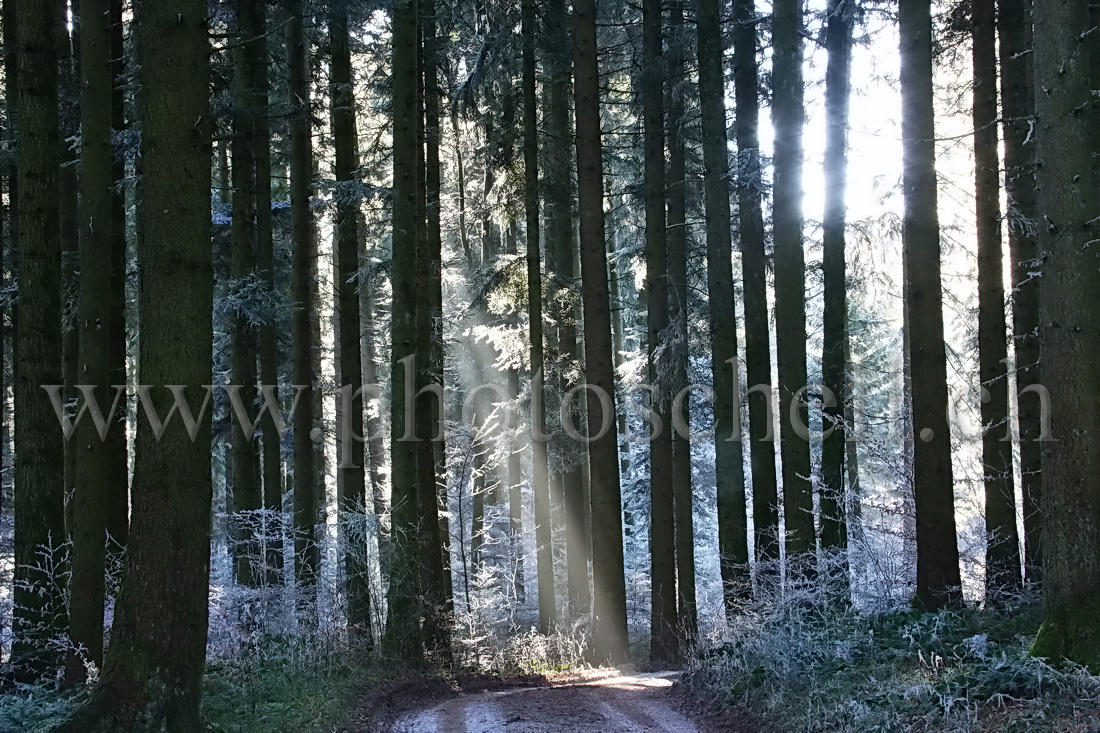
x=811, y=669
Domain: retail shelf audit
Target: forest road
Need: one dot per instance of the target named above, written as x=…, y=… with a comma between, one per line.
x=624, y=703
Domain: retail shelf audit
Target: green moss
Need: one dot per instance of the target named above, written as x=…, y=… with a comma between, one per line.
x=1071, y=633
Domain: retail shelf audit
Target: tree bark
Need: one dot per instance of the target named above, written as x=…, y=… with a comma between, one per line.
x=750, y=185
x=118, y=488
x=938, y=580
x=93, y=475
x=662, y=542
x=39, y=611
x=1065, y=52
x=1014, y=32
x=151, y=679
x=307, y=554
x=834, y=365
x=351, y=473
x=729, y=466
x=435, y=558
x=788, y=112
x=244, y=467
x=540, y=484
x=403, y=636
x=559, y=216
x=678, y=317
x=1002, y=555
x=609, y=633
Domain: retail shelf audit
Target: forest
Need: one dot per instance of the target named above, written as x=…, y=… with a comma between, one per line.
x=691, y=366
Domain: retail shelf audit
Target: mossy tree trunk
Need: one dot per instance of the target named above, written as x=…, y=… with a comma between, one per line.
x=152, y=679
x=1065, y=52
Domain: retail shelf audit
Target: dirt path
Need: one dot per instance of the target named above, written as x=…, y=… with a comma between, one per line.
x=623, y=703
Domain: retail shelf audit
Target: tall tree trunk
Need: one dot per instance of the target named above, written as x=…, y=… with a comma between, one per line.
x=750, y=186
x=435, y=556
x=254, y=28
x=39, y=611
x=938, y=580
x=662, y=543
x=729, y=466
x=118, y=488
x=93, y=476
x=559, y=215
x=788, y=112
x=609, y=585
x=166, y=578
x=245, y=477
x=1014, y=31
x=67, y=34
x=678, y=317
x=307, y=555
x=351, y=473
x=1065, y=58
x=838, y=81
x=1002, y=566
x=403, y=637
x=540, y=472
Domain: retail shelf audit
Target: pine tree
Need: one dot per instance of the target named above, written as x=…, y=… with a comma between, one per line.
x=93, y=476
x=838, y=44
x=662, y=548
x=788, y=111
x=750, y=186
x=166, y=578
x=38, y=613
x=306, y=482
x=403, y=638
x=1067, y=178
x=938, y=578
x=243, y=464
x=540, y=483
x=678, y=319
x=1002, y=566
x=729, y=466
x=609, y=635
x=351, y=473
x=1014, y=31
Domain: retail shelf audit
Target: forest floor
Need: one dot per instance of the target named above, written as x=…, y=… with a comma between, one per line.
x=597, y=701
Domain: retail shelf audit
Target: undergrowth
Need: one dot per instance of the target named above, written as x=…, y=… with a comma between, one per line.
x=804, y=667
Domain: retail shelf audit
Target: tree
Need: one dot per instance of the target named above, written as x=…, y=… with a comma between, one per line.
x=788, y=111
x=1002, y=565
x=662, y=547
x=38, y=613
x=431, y=481
x=255, y=29
x=540, y=480
x=1017, y=111
x=92, y=485
x=306, y=483
x=938, y=580
x=403, y=638
x=351, y=472
x=166, y=577
x=678, y=318
x=838, y=44
x=559, y=225
x=609, y=585
x=117, y=508
x=750, y=186
x=729, y=467
x=243, y=464
x=1065, y=58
